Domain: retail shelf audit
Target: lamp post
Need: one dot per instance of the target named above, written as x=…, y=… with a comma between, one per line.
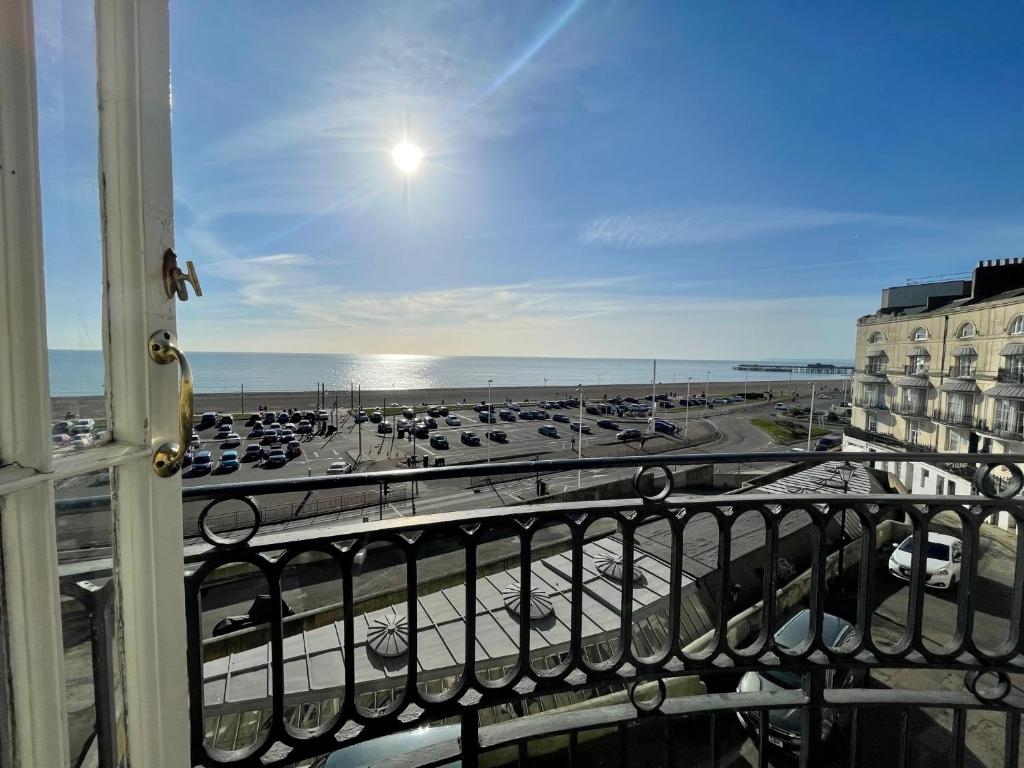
x=707, y=393
x=579, y=446
x=490, y=415
x=686, y=419
x=746, y=378
x=845, y=470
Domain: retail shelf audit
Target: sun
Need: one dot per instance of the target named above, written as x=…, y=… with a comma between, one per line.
x=407, y=157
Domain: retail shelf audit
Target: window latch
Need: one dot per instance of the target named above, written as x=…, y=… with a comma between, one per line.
x=175, y=279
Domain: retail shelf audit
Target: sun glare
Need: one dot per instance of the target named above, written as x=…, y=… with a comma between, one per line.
x=407, y=157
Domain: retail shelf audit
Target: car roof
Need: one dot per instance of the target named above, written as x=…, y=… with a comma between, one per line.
x=831, y=626
x=203, y=453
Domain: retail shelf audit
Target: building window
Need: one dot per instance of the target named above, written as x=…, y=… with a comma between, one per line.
x=961, y=408
x=876, y=338
x=967, y=331
x=1009, y=419
x=913, y=433
x=913, y=401
x=874, y=396
x=1017, y=325
x=920, y=334
x=917, y=364
x=953, y=441
x=1015, y=364
x=871, y=423
x=965, y=366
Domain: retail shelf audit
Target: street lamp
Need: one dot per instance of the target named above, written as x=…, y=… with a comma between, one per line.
x=845, y=472
x=490, y=415
x=707, y=393
x=686, y=419
x=579, y=447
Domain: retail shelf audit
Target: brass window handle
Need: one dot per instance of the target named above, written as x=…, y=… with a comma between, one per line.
x=164, y=350
x=175, y=280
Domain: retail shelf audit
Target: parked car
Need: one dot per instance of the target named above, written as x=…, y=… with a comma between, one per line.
x=257, y=431
x=629, y=434
x=496, y=435
x=269, y=437
x=228, y=461
x=60, y=440
x=780, y=406
x=487, y=417
x=339, y=468
x=252, y=452
x=527, y=415
x=514, y=407
x=293, y=449
x=305, y=427
x=277, y=457
x=607, y=424
x=506, y=415
x=430, y=421
x=360, y=417
x=828, y=442
x=403, y=425
x=452, y=420
x=433, y=411
x=437, y=440
x=784, y=724
x=384, y=428
x=420, y=430
x=562, y=418
x=470, y=438
x=583, y=429
x=376, y=417
x=285, y=436
x=208, y=419
x=203, y=462
x=231, y=440
x=61, y=427
x=548, y=430
x=666, y=427
x=409, y=413
x=81, y=441
x=225, y=419
x=944, y=555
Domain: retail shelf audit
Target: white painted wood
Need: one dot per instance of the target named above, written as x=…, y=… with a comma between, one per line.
x=34, y=651
x=137, y=197
x=15, y=478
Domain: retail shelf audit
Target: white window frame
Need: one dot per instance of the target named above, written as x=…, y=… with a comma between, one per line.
x=953, y=441
x=913, y=432
x=962, y=331
x=1016, y=326
x=920, y=334
x=137, y=204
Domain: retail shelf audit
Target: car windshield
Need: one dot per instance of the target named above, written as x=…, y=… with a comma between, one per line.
x=936, y=550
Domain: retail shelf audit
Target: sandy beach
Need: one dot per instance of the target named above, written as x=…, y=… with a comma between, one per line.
x=93, y=406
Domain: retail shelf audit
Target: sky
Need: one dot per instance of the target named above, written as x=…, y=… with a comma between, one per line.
x=601, y=178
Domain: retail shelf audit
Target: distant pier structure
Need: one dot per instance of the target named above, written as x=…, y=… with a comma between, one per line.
x=820, y=369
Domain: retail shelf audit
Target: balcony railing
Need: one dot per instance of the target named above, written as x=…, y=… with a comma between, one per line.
x=620, y=605
x=958, y=418
x=871, y=403
x=913, y=370
x=1009, y=376
x=963, y=371
x=1008, y=430
x=910, y=409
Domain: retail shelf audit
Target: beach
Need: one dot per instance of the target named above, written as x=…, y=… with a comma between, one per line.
x=92, y=406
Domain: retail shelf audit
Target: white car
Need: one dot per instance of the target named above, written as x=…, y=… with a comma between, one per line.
x=233, y=439
x=339, y=468
x=942, y=569
x=81, y=441
x=452, y=420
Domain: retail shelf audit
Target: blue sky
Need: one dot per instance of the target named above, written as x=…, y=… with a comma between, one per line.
x=690, y=180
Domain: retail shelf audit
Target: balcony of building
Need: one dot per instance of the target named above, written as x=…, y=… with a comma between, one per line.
x=1010, y=376
x=572, y=623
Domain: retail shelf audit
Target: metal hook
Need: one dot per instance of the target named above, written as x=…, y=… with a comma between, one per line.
x=175, y=279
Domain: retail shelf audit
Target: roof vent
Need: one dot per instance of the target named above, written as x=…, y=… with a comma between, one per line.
x=540, y=601
x=388, y=636
x=610, y=565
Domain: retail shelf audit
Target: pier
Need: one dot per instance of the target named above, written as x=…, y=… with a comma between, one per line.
x=820, y=369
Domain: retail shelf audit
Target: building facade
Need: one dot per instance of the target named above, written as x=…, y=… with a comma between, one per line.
x=940, y=367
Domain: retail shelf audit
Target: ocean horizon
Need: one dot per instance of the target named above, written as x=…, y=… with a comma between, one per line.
x=80, y=372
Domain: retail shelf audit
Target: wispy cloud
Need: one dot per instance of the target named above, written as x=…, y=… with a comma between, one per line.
x=719, y=223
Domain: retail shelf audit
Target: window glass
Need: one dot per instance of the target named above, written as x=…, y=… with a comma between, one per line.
x=68, y=160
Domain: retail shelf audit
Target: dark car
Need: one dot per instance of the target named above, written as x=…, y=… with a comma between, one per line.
x=506, y=415
x=384, y=428
x=438, y=441
x=434, y=411
x=666, y=427
x=269, y=416
x=496, y=435
x=252, y=453
x=269, y=437
x=253, y=418
x=294, y=449
x=360, y=417
x=305, y=427
x=208, y=419
x=443, y=410
x=277, y=457
x=487, y=417
x=828, y=442
x=541, y=415
x=257, y=431
x=562, y=418
x=225, y=419
x=260, y=612
x=430, y=421
x=409, y=413
x=581, y=428
x=548, y=430
x=784, y=724
x=527, y=415
x=593, y=410
x=629, y=434
x=376, y=417
x=607, y=424
x=420, y=430
x=202, y=462
x=470, y=438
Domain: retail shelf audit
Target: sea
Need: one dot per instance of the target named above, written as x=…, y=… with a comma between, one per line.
x=80, y=372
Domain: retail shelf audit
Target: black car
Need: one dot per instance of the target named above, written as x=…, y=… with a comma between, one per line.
x=487, y=417
x=581, y=428
x=253, y=452
x=438, y=441
x=548, y=430
x=277, y=457
x=384, y=428
x=607, y=424
x=562, y=418
x=260, y=612
x=409, y=413
x=434, y=411
x=497, y=436
x=470, y=438
x=629, y=434
x=257, y=431
x=430, y=421
x=420, y=430
x=527, y=415
x=506, y=415
x=269, y=437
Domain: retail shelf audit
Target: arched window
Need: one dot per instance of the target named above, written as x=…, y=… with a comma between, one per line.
x=1017, y=326
x=967, y=331
x=920, y=333
x=876, y=338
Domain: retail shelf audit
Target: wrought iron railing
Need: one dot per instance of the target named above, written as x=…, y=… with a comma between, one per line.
x=963, y=371
x=958, y=418
x=910, y=409
x=1010, y=376
x=590, y=611
x=872, y=403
